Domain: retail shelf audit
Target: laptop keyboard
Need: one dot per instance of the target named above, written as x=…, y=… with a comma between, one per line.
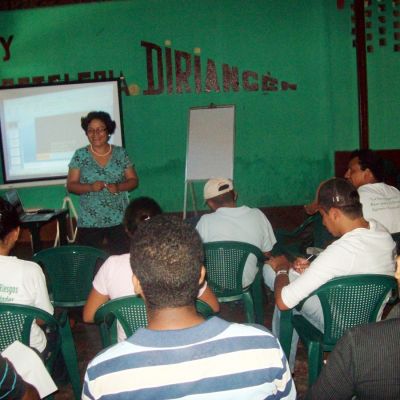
x=35, y=217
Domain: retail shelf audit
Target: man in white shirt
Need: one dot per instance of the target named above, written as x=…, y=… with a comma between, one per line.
x=363, y=247
x=379, y=200
x=232, y=223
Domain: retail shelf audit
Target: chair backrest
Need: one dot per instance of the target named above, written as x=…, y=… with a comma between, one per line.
x=16, y=322
x=130, y=311
x=352, y=300
x=70, y=270
x=224, y=262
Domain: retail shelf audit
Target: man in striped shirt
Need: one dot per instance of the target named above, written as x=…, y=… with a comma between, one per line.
x=179, y=354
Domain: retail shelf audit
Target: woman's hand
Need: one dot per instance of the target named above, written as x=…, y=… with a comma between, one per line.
x=98, y=185
x=75, y=186
x=113, y=188
x=300, y=265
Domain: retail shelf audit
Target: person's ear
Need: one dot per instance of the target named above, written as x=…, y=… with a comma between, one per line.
x=12, y=236
x=202, y=275
x=210, y=204
x=369, y=176
x=137, y=287
x=334, y=213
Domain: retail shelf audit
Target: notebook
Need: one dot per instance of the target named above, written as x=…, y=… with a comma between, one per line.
x=13, y=198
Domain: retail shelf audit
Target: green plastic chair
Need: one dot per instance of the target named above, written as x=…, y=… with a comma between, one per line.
x=346, y=302
x=70, y=271
x=15, y=324
x=224, y=262
x=130, y=312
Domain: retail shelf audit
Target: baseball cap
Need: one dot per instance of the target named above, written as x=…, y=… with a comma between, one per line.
x=338, y=192
x=217, y=186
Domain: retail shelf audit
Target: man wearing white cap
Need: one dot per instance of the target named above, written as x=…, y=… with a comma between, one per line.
x=229, y=222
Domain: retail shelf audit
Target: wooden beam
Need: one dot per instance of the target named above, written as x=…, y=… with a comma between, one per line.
x=361, y=74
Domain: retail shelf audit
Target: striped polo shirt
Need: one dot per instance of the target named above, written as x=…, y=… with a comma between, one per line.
x=213, y=360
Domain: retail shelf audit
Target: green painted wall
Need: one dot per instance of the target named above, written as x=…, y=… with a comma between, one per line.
x=285, y=140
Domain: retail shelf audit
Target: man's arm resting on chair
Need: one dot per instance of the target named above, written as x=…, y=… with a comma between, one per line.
x=281, y=281
x=281, y=266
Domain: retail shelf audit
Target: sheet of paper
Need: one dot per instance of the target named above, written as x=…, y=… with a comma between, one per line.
x=30, y=367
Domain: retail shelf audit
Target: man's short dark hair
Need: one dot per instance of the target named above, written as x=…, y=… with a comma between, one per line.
x=369, y=159
x=223, y=199
x=340, y=193
x=166, y=257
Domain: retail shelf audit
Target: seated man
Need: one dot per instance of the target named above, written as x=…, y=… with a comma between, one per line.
x=114, y=278
x=380, y=201
x=21, y=281
x=362, y=248
x=359, y=367
x=229, y=222
x=180, y=354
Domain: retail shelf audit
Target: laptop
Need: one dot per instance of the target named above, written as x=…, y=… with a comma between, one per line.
x=13, y=198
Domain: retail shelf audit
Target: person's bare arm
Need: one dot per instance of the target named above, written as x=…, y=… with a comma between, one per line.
x=131, y=182
x=311, y=208
x=280, y=282
x=30, y=392
x=94, y=301
x=75, y=186
x=209, y=297
x=280, y=263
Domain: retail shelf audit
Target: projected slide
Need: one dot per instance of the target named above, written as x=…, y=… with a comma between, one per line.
x=40, y=126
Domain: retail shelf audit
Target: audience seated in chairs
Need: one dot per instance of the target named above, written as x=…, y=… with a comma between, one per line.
x=365, y=362
x=362, y=248
x=21, y=281
x=114, y=278
x=180, y=354
x=228, y=222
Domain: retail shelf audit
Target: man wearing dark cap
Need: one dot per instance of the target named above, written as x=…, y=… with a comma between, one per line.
x=229, y=222
x=362, y=248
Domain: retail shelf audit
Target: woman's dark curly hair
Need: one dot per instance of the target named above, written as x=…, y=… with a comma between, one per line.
x=102, y=116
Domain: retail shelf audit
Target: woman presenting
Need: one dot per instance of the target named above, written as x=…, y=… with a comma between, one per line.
x=102, y=175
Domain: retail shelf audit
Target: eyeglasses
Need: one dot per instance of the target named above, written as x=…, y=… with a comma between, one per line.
x=91, y=131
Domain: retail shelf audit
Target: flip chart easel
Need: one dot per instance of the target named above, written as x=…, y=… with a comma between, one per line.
x=210, y=146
